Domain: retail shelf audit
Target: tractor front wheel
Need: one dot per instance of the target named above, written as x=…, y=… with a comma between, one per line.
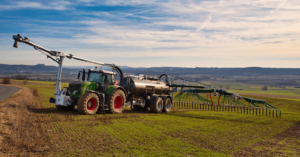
x=116, y=102
x=88, y=103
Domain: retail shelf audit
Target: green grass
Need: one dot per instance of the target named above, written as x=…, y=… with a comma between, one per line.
x=235, y=87
x=290, y=99
x=179, y=133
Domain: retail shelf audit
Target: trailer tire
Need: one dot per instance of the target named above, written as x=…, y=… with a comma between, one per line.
x=116, y=102
x=157, y=107
x=167, y=105
x=88, y=103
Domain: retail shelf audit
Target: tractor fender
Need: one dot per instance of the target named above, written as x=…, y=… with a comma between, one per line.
x=112, y=88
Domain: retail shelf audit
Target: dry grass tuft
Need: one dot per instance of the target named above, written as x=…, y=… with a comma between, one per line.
x=35, y=92
x=21, y=132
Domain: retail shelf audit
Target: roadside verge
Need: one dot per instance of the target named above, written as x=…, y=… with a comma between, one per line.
x=21, y=131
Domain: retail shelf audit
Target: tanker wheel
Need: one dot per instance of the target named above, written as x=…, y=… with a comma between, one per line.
x=116, y=102
x=167, y=105
x=65, y=108
x=88, y=103
x=157, y=107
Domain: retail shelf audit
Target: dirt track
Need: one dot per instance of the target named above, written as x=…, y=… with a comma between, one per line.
x=21, y=130
x=7, y=91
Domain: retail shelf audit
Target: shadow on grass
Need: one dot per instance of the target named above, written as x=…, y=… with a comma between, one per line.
x=75, y=111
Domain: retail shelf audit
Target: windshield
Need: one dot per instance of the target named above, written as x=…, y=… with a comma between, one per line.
x=94, y=76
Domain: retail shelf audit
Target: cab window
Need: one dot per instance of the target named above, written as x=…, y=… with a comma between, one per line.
x=93, y=76
x=108, y=78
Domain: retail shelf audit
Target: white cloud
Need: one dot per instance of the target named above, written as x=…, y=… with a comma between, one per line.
x=213, y=29
x=56, y=5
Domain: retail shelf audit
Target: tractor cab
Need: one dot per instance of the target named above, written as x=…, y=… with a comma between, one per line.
x=101, y=76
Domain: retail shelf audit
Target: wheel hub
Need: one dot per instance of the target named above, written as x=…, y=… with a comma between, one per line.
x=91, y=104
x=159, y=105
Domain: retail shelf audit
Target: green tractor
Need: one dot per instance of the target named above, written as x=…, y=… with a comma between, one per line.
x=99, y=91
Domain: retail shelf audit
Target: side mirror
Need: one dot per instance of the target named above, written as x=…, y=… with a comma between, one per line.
x=78, y=75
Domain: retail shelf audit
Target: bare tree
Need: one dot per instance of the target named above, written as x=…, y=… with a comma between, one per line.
x=264, y=88
x=6, y=80
x=25, y=81
x=220, y=86
x=227, y=87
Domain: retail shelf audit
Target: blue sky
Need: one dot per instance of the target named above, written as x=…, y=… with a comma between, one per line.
x=181, y=33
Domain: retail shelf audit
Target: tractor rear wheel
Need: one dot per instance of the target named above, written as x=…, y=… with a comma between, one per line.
x=157, y=107
x=88, y=103
x=167, y=105
x=116, y=102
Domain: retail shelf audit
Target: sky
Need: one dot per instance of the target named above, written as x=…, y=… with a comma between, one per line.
x=152, y=33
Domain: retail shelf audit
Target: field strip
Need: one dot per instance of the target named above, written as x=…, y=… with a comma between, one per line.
x=271, y=95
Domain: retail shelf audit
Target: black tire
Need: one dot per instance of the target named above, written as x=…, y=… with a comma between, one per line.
x=116, y=102
x=157, y=107
x=88, y=103
x=65, y=108
x=167, y=105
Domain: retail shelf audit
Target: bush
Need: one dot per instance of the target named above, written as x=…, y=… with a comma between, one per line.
x=220, y=86
x=227, y=87
x=6, y=80
x=264, y=88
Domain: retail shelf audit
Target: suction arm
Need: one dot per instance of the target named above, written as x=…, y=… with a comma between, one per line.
x=18, y=38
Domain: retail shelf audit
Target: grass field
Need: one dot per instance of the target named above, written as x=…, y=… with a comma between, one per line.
x=243, y=88
x=179, y=133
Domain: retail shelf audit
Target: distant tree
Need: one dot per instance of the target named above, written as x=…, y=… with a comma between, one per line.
x=264, y=88
x=227, y=87
x=6, y=80
x=25, y=81
x=220, y=86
